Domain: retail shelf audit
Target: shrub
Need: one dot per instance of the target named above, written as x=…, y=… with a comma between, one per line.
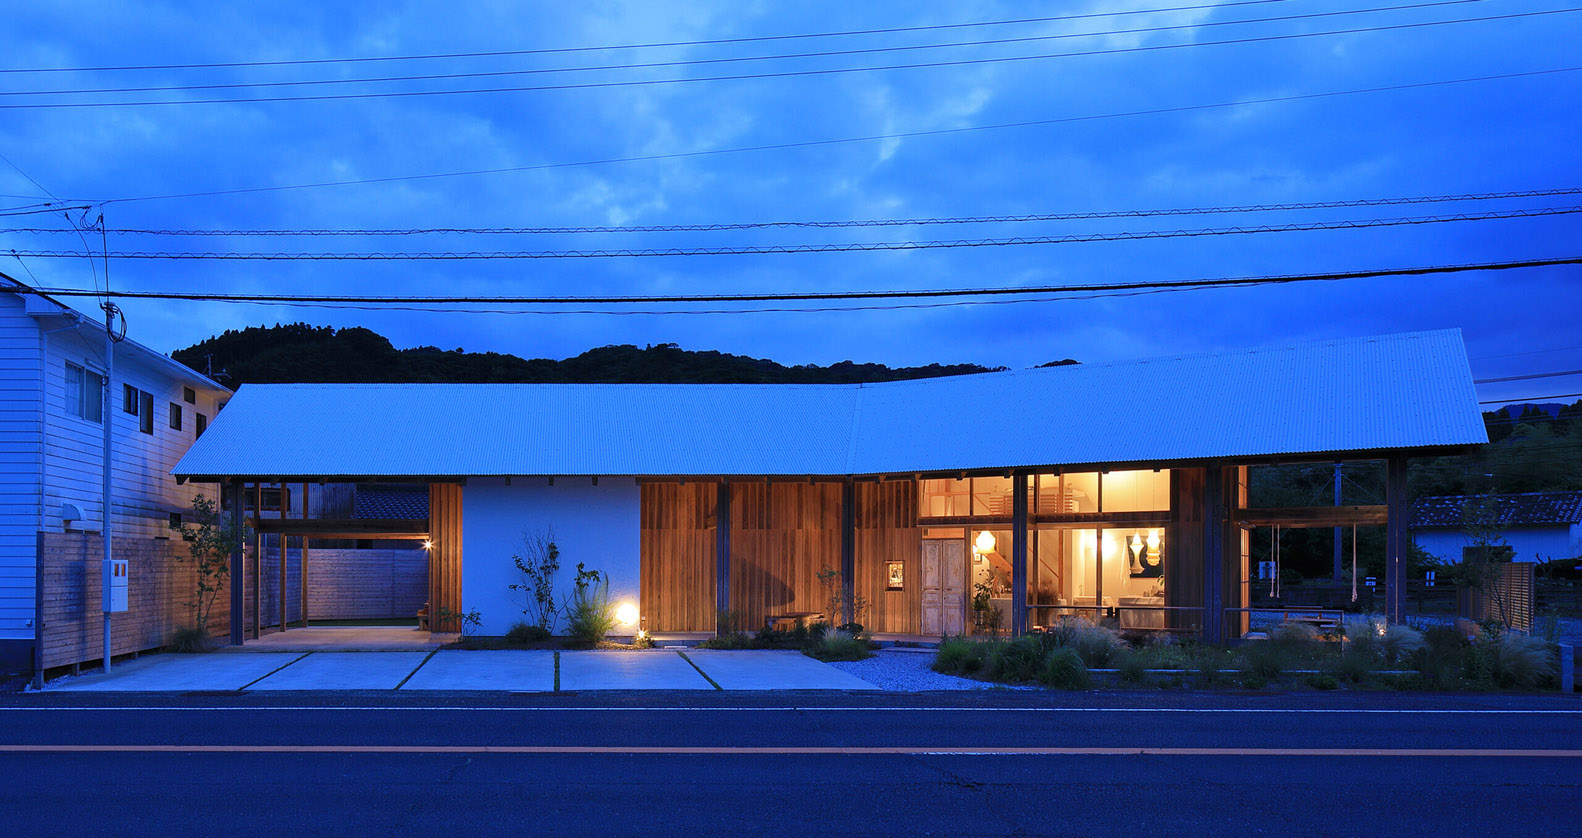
x=1133, y=669
x=1399, y=642
x=1320, y=681
x=1253, y=681
x=839, y=645
x=191, y=639
x=1015, y=660
x=537, y=560
x=525, y=632
x=1263, y=660
x=1355, y=665
x=589, y=614
x=1522, y=662
x=1362, y=635
x=957, y=655
x=1063, y=669
x=1096, y=645
x=733, y=640
x=1442, y=655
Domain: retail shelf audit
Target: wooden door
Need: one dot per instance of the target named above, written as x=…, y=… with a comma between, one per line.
x=944, y=587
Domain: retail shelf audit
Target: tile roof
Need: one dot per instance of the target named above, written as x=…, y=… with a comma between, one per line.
x=1390, y=392
x=1523, y=510
x=404, y=502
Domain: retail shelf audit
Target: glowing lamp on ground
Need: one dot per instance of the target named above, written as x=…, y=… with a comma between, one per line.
x=626, y=613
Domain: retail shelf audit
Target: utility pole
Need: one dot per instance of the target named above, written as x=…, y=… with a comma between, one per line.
x=1337, y=568
x=106, y=580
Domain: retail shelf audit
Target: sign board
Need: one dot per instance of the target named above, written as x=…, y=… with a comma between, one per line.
x=115, y=577
x=1265, y=570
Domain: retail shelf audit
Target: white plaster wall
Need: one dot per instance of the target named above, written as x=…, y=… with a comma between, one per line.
x=1530, y=543
x=596, y=525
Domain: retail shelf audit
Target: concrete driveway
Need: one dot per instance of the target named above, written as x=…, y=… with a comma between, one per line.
x=519, y=671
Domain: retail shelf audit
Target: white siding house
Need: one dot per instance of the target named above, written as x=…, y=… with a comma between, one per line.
x=1531, y=527
x=52, y=408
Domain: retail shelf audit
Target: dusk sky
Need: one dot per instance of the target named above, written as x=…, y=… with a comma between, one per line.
x=1425, y=137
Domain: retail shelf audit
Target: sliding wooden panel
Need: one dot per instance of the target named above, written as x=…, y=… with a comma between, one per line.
x=886, y=524
x=782, y=535
x=444, y=564
x=677, y=547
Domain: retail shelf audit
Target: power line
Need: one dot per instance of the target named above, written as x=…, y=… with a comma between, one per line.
x=826, y=247
x=843, y=140
x=891, y=222
x=779, y=74
x=1528, y=377
x=563, y=50
x=1531, y=398
x=1528, y=352
x=653, y=65
x=1100, y=288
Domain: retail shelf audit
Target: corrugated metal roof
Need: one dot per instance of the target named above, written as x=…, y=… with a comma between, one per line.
x=1394, y=391
x=1520, y=510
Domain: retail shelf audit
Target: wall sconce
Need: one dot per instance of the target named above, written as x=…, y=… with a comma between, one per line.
x=428, y=545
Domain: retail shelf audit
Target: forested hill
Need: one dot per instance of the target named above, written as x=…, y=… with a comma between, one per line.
x=303, y=353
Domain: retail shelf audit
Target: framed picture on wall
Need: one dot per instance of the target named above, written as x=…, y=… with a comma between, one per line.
x=894, y=575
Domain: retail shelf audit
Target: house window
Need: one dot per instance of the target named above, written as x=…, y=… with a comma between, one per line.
x=200, y=423
x=129, y=399
x=145, y=416
x=175, y=416
x=84, y=393
x=175, y=520
x=189, y=395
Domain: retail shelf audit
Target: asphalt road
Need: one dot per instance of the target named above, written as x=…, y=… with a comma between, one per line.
x=791, y=764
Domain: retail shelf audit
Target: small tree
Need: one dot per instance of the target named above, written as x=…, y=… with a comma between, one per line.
x=589, y=613
x=210, y=543
x=839, y=600
x=538, y=560
x=1485, y=552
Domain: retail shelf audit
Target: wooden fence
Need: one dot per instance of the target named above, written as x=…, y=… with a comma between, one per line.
x=342, y=585
x=70, y=616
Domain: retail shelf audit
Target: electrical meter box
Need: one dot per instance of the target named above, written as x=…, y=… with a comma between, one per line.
x=114, y=585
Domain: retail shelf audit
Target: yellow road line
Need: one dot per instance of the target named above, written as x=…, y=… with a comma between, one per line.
x=790, y=750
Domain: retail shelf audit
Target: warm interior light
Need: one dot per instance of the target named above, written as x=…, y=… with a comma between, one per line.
x=626, y=613
x=1153, y=541
x=1137, y=544
x=984, y=543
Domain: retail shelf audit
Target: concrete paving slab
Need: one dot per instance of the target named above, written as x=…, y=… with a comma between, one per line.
x=654, y=669
x=770, y=669
x=344, y=671
x=486, y=670
x=349, y=639
x=212, y=671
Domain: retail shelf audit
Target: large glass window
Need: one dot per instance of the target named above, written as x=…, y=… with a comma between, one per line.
x=1136, y=491
x=1097, y=573
x=974, y=497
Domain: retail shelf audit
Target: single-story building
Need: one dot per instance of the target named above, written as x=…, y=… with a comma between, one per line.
x=1110, y=490
x=1526, y=527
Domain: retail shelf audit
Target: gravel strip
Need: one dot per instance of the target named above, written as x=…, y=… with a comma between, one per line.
x=908, y=672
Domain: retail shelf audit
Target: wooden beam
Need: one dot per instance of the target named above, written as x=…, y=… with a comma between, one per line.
x=1296, y=517
x=347, y=527
x=1397, y=540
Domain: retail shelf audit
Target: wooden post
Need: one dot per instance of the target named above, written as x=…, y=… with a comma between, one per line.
x=1397, y=539
x=1018, y=553
x=722, y=557
x=258, y=562
x=302, y=569
x=848, y=546
x=1213, y=555
x=282, y=538
x=238, y=570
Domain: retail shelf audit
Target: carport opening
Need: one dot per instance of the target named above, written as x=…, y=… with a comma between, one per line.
x=344, y=556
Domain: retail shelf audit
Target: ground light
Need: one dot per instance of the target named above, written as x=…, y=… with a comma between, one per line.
x=626, y=613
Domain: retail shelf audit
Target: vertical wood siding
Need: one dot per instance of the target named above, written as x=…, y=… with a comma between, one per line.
x=677, y=547
x=1184, y=566
x=886, y=524
x=782, y=535
x=444, y=584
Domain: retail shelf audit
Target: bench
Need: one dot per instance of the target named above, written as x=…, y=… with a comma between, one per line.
x=790, y=621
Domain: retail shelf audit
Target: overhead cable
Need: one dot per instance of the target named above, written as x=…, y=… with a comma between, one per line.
x=699, y=62
x=965, y=62
x=680, y=155
x=820, y=247
x=874, y=222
